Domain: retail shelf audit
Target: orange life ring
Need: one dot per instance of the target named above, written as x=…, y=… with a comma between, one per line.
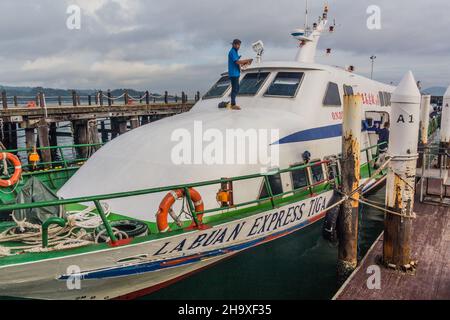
x=169, y=200
x=17, y=169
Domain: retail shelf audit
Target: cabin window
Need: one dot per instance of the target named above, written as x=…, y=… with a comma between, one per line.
x=382, y=98
x=299, y=178
x=317, y=173
x=348, y=90
x=332, y=96
x=252, y=82
x=219, y=88
x=387, y=98
x=275, y=184
x=286, y=84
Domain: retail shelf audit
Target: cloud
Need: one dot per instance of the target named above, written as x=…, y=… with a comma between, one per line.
x=181, y=45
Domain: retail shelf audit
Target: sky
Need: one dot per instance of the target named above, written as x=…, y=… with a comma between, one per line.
x=179, y=45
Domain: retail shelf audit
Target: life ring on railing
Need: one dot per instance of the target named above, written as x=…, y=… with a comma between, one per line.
x=17, y=169
x=165, y=208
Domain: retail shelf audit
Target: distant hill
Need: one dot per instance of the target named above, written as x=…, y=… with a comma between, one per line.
x=51, y=92
x=435, y=91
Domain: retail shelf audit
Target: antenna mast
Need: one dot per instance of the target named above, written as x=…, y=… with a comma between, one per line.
x=306, y=16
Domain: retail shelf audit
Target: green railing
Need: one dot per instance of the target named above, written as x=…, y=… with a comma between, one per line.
x=270, y=196
x=63, y=162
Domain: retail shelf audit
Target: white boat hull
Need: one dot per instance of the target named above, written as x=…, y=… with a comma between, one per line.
x=119, y=271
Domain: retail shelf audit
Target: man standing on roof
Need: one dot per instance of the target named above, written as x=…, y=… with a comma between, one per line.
x=234, y=71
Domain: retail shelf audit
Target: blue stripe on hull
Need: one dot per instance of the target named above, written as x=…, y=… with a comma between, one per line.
x=313, y=134
x=159, y=265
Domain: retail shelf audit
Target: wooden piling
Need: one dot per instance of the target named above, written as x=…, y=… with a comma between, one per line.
x=53, y=139
x=110, y=102
x=16, y=103
x=80, y=136
x=4, y=100
x=166, y=97
x=351, y=160
x=134, y=122
x=44, y=141
x=401, y=177
x=126, y=99
x=30, y=138
x=103, y=132
x=74, y=98
x=59, y=101
x=89, y=100
x=122, y=125
x=147, y=97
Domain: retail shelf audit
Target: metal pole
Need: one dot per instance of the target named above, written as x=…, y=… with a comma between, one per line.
x=351, y=166
x=424, y=119
x=373, y=61
x=445, y=125
x=401, y=176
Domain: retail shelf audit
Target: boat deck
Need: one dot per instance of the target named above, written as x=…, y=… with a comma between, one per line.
x=430, y=246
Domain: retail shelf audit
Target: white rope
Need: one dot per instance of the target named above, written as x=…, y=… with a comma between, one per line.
x=86, y=218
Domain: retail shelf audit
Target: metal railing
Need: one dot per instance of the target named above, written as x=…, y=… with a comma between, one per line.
x=271, y=197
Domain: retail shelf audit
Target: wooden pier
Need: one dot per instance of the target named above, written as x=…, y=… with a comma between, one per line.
x=431, y=249
x=39, y=116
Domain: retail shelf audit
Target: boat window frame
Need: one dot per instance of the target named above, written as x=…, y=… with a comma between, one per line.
x=326, y=94
x=382, y=98
x=269, y=73
x=205, y=96
x=307, y=175
x=348, y=87
x=263, y=186
x=323, y=172
x=387, y=98
x=282, y=96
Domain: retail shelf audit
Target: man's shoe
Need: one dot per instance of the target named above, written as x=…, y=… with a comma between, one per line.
x=235, y=108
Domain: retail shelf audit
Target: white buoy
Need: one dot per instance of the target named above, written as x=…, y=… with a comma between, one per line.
x=401, y=176
x=445, y=118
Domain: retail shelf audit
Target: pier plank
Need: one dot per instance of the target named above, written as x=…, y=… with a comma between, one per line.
x=431, y=247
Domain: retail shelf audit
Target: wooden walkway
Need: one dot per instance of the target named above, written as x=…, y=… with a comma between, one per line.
x=430, y=247
x=70, y=113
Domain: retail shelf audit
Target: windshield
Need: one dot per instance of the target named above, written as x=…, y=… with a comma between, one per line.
x=252, y=82
x=285, y=84
x=219, y=88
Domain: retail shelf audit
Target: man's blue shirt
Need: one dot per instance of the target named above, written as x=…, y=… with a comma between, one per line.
x=233, y=67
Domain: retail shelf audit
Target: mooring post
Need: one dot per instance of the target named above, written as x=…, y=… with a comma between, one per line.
x=122, y=125
x=351, y=158
x=147, y=97
x=444, y=145
x=109, y=98
x=59, y=101
x=166, y=97
x=15, y=101
x=125, y=97
x=42, y=102
x=89, y=100
x=44, y=142
x=134, y=122
x=53, y=140
x=74, y=98
x=80, y=136
x=103, y=132
x=30, y=139
x=78, y=100
x=37, y=100
x=401, y=175
x=4, y=100
x=424, y=124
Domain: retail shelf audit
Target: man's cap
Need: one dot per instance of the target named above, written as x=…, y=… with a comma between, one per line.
x=236, y=41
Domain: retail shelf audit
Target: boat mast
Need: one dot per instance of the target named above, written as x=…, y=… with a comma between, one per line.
x=309, y=37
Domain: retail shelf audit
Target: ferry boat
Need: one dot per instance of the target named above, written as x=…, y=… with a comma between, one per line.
x=131, y=220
